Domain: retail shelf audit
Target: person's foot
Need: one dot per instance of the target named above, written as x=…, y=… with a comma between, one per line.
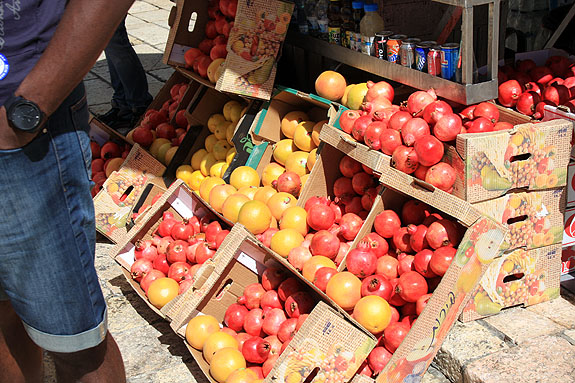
x=109, y=116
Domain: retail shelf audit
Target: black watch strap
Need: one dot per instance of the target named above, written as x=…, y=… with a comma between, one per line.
x=24, y=115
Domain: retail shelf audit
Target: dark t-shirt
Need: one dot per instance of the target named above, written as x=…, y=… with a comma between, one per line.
x=26, y=27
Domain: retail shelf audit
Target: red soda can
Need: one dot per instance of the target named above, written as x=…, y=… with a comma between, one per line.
x=434, y=60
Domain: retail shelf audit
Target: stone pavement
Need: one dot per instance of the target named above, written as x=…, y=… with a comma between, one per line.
x=535, y=344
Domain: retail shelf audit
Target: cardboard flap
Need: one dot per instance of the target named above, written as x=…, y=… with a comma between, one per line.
x=187, y=30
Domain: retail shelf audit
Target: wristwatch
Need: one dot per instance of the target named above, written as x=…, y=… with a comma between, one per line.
x=24, y=114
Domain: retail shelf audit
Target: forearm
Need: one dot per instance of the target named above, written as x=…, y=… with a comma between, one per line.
x=80, y=37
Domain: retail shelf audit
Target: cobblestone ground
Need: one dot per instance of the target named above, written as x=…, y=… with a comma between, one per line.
x=535, y=344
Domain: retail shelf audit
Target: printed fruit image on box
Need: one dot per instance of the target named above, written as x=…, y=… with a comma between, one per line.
x=520, y=277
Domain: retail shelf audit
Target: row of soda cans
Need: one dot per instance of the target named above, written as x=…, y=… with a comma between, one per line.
x=426, y=56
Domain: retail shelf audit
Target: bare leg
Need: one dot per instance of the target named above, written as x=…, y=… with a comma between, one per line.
x=20, y=358
x=100, y=364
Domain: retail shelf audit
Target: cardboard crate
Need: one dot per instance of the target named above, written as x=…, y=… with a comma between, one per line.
x=101, y=133
x=113, y=204
x=561, y=112
x=518, y=277
x=324, y=334
x=144, y=203
x=183, y=203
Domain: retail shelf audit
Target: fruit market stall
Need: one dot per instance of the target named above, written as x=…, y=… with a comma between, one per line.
x=337, y=235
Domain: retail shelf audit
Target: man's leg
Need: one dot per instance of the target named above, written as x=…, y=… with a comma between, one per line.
x=102, y=363
x=20, y=358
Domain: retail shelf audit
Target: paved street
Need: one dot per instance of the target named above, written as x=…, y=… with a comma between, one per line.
x=520, y=345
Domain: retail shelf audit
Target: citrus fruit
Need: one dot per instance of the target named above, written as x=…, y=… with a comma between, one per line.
x=196, y=180
x=221, y=129
x=316, y=130
x=221, y=149
x=231, y=153
x=291, y=121
x=311, y=158
x=206, y=163
x=155, y=147
x=207, y=185
x=373, y=313
x=244, y=176
x=199, y=328
x=279, y=202
x=248, y=191
x=214, y=120
x=330, y=85
x=283, y=149
x=170, y=154
x=294, y=217
x=285, y=240
x=297, y=163
x=162, y=290
x=232, y=205
x=197, y=158
x=228, y=108
x=184, y=173
x=230, y=130
x=264, y=193
x=255, y=216
x=312, y=265
x=216, y=169
x=271, y=173
x=226, y=361
x=217, y=341
x=302, y=136
x=210, y=142
x=219, y=194
x=303, y=180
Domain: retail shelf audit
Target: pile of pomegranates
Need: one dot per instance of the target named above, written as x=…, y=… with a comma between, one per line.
x=528, y=87
x=155, y=128
x=392, y=273
x=262, y=322
x=105, y=160
x=177, y=250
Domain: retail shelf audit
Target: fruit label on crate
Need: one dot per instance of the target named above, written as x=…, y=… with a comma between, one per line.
x=254, y=46
x=571, y=184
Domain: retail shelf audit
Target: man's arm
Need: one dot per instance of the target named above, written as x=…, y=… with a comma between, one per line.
x=80, y=37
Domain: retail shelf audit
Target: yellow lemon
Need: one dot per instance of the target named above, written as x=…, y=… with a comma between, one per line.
x=228, y=106
x=184, y=173
x=283, y=149
x=197, y=158
x=302, y=136
x=214, y=120
x=220, y=131
x=230, y=155
x=216, y=169
x=206, y=163
x=210, y=141
x=221, y=149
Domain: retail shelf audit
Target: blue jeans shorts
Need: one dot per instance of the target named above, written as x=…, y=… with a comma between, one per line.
x=47, y=233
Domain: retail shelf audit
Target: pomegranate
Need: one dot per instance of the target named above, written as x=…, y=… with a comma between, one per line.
x=393, y=335
x=385, y=113
x=480, y=125
x=533, y=87
x=337, y=210
x=203, y=252
x=343, y=249
x=467, y=113
x=165, y=227
x=395, y=299
x=140, y=268
x=288, y=287
x=178, y=271
x=398, y=120
x=143, y=136
x=541, y=75
x=177, y=251
x=212, y=230
x=361, y=182
x=322, y=277
x=405, y=159
x=378, y=90
x=252, y=295
x=376, y=285
x=401, y=239
x=405, y=263
x=275, y=343
x=266, y=236
x=273, y=320
x=287, y=330
x=411, y=286
x=509, y=92
x=359, y=127
x=389, y=139
x=378, y=359
x=387, y=223
x=349, y=225
x=348, y=167
x=442, y=176
x=288, y=182
x=256, y=350
x=387, y=266
x=364, y=369
x=361, y=262
x=540, y=109
x=374, y=243
x=235, y=316
x=443, y=233
x=270, y=300
x=417, y=240
x=372, y=107
x=219, y=239
x=321, y=217
x=299, y=303
x=421, y=263
x=161, y=263
x=253, y=322
x=146, y=250
x=421, y=303
x=417, y=101
x=347, y=119
x=414, y=129
x=414, y=212
x=441, y=259
x=181, y=231
x=270, y=363
x=373, y=134
x=429, y=150
x=368, y=199
x=557, y=94
x=241, y=338
x=324, y=243
x=525, y=66
x=150, y=277
x=502, y=126
x=487, y=110
x=526, y=103
x=343, y=191
x=298, y=256
x=434, y=111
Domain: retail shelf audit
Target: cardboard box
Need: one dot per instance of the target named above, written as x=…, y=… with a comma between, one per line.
x=113, y=204
x=101, y=133
x=534, y=219
x=144, y=203
x=183, y=203
x=518, y=277
x=561, y=112
x=325, y=334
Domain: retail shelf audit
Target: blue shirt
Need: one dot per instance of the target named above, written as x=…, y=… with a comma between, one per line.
x=26, y=27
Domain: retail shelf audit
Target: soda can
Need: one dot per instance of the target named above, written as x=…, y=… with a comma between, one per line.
x=421, y=50
x=393, y=48
x=407, y=52
x=381, y=44
x=449, y=60
x=434, y=60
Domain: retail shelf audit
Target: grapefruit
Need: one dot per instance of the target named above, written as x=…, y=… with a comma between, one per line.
x=255, y=216
x=264, y=193
x=232, y=205
x=225, y=362
x=279, y=202
x=207, y=185
x=285, y=240
x=244, y=176
x=248, y=191
x=199, y=328
x=283, y=149
x=297, y=163
x=314, y=264
x=271, y=173
x=295, y=217
x=219, y=194
x=197, y=158
x=302, y=136
x=184, y=173
x=330, y=85
x=162, y=290
x=291, y=121
x=206, y=163
x=311, y=158
x=316, y=131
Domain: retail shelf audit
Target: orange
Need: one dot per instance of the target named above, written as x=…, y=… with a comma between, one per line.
x=219, y=194
x=279, y=202
x=311, y=158
x=196, y=180
x=373, y=313
x=283, y=149
x=248, y=191
x=330, y=85
x=206, y=163
x=207, y=185
x=162, y=290
x=345, y=289
x=226, y=361
x=285, y=240
x=302, y=136
x=214, y=120
x=255, y=216
x=244, y=176
x=295, y=217
x=184, y=172
x=314, y=264
x=199, y=328
x=197, y=158
x=232, y=205
x=316, y=131
x=264, y=193
x=217, y=341
x=297, y=163
x=271, y=173
x=291, y=121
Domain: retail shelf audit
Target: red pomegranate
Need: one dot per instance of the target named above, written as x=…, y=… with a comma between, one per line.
x=376, y=285
x=429, y=150
x=361, y=262
x=442, y=176
x=389, y=139
x=347, y=119
x=414, y=129
x=443, y=233
x=405, y=159
x=387, y=223
x=509, y=92
x=324, y=243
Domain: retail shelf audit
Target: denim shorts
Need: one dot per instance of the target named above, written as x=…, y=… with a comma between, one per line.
x=47, y=233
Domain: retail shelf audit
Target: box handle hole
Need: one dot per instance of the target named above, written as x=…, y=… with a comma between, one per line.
x=126, y=193
x=311, y=375
x=520, y=157
x=513, y=277
x=520, y=218
x=224, y=289
x=422, y=185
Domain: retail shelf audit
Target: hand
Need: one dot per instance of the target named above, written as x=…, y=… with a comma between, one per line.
x=12, y=138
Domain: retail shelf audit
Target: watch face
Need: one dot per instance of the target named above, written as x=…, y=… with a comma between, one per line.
x=25, y=116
